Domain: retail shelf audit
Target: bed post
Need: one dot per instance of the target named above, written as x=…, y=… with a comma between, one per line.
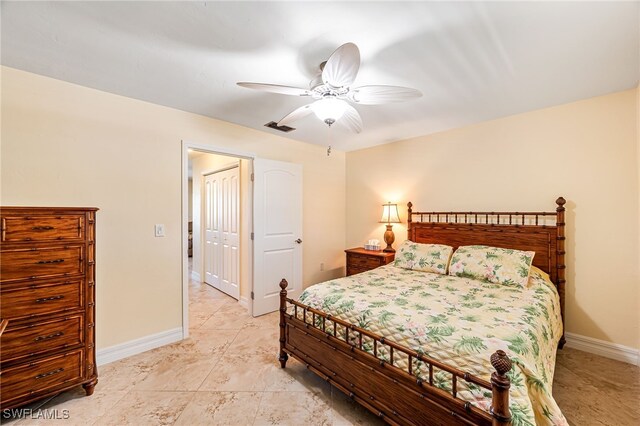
x=500, y=385
x=409, y=217
x=283, y=309
x=560, y=260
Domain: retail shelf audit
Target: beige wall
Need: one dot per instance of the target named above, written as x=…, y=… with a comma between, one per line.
x=64, y=144
x=585, y=151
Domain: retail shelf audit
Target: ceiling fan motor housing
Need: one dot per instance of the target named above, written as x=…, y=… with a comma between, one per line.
x=316, y=81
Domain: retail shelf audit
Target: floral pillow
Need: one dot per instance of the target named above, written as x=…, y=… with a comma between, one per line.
x=423, y=257
x=492, y=264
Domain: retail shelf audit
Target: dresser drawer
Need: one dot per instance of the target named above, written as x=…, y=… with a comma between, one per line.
x=363, y=261
x=42, y=336
x=24, y=263
x=40, y=376
x=29, y=300
x=351, y=270
x=16, y=228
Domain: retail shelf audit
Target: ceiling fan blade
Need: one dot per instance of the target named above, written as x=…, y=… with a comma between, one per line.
x=296, y=114
x=351, y=119
x=375, y=95
x=342, y=66
x=276, y=88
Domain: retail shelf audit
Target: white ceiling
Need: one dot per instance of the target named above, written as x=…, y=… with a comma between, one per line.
x=473, y=61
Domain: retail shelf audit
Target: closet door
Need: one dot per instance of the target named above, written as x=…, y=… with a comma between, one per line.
x=230, y=232
x=222, y=231
x=212, y=248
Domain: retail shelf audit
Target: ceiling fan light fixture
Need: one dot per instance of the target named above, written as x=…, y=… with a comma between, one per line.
x=332, y=86
x=329, y=109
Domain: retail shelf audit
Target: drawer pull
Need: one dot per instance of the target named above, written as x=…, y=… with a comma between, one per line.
x=50, y=373
x=51, y=336
x=46, y=262
x=48, y=299
x=42, y=228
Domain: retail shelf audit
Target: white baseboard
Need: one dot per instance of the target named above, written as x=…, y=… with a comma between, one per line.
x=195, y=276
x=134, y=347
x=602, y=348
x=244, y=302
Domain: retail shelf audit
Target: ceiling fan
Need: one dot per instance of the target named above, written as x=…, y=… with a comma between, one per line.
x=332, y=91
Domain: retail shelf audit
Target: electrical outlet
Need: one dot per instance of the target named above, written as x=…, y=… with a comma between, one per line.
x=322, y=266
x=159, y=228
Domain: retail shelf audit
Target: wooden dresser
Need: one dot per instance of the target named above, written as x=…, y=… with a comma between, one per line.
x=361, y=260
x=47, y=294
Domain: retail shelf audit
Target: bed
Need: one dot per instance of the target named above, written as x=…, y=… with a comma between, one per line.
x=420, y=348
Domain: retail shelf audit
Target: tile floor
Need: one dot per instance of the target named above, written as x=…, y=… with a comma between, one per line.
x=226, y=374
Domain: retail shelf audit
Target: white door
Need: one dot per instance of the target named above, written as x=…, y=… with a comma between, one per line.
x=222, y=231
x=277, y=224
x=212, y=230
x=230, y=231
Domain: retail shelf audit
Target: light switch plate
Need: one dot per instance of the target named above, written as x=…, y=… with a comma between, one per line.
x=159, y=228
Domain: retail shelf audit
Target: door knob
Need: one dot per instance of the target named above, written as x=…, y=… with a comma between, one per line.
x=299, y=241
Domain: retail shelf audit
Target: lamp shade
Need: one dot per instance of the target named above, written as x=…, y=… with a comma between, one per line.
x=390, y=213
x=329, y=108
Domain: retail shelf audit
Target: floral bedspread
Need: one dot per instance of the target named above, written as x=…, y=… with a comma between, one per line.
x=461, y=322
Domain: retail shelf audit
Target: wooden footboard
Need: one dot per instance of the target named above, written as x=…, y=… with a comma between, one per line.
x=333, y=349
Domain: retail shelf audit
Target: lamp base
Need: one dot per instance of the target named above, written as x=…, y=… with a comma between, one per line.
x=389, y=238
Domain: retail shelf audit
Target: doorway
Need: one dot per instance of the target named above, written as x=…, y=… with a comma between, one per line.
x=270, y=237
x=200, y=161
x=222, y=223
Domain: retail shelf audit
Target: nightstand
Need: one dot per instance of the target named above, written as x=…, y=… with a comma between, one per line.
x=361, y=260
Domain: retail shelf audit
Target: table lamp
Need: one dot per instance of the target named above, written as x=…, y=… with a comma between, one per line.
x=389, y=216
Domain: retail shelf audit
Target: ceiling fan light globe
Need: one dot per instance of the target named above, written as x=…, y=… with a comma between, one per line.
x=329, y=109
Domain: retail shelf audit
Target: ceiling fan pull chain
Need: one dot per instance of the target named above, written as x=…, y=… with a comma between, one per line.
x=329, y=139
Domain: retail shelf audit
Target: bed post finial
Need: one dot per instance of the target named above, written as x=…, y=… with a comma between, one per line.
x=409, y=205
x=560, y=261
x=283, y=357
x=500, y=385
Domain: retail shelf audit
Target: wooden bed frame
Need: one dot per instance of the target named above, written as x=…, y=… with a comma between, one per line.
x=397, y=395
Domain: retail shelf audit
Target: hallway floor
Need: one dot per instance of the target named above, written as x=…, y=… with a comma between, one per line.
x=227, y=373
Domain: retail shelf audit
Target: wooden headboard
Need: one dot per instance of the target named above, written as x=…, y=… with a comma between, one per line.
x=542, y=232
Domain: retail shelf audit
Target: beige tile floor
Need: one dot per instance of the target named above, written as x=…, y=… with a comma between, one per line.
x=226, y=374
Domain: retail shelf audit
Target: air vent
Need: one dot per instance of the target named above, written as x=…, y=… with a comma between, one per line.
x=274, y=125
